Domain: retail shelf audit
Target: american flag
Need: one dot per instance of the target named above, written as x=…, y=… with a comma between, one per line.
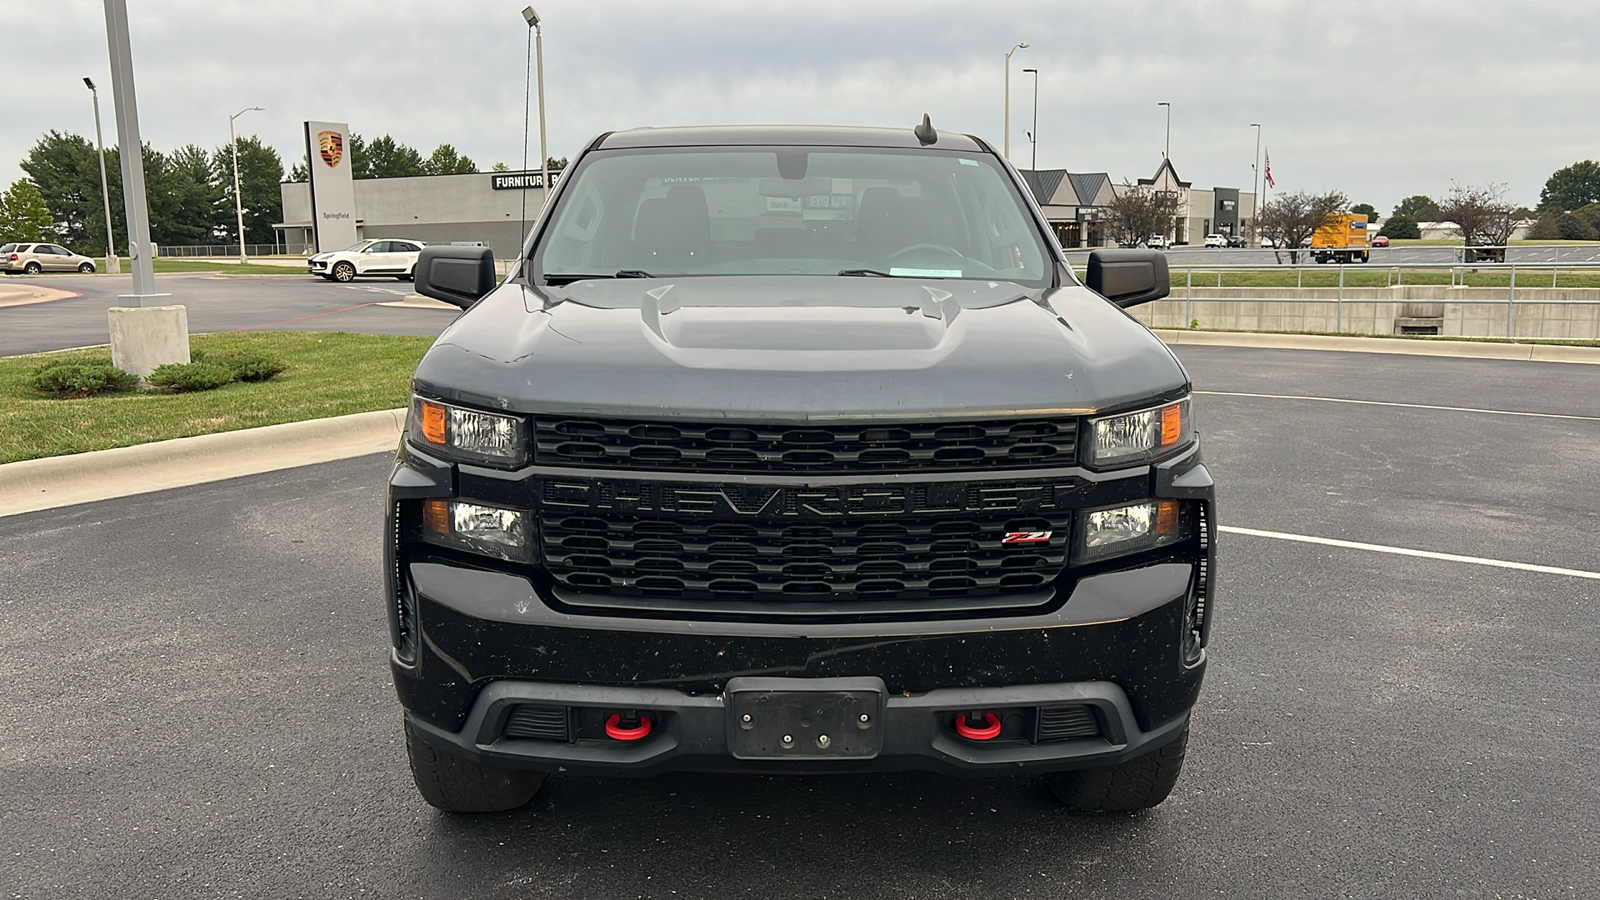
x=1270, y=182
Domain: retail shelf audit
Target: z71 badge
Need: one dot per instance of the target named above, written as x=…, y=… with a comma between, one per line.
x=1027, y=537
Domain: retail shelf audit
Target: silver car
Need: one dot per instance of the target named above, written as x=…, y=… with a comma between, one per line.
x=31, y=259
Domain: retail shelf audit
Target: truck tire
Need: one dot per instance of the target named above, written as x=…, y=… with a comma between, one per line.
x=457, y=785
x=1139, y=783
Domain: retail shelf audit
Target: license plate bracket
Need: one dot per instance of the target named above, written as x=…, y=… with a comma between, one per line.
x=821, y=718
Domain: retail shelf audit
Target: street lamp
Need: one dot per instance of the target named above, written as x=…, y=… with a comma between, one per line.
x=1255, y=182
x=1167, y=153
x=1033, y=136
x=238, y=201
x=544, y=151
x=1023, y=45
x=113, y=264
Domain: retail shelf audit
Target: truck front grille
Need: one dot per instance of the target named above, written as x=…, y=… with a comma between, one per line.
x=859, y=447
x=856, y=542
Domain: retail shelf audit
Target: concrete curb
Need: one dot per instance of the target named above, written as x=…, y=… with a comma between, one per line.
x=26, y=294
x=37, y=484
x=417, y=301
x=1463, y=349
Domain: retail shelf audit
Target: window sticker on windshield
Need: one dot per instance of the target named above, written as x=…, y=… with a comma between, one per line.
x=925, y=273
x=969, y=162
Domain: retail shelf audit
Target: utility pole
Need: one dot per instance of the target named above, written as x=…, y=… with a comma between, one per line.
x=1033, y=136
x=1255, y=183
x=238, y=200
x=1167, y=152
x=113, y=263
x=1020, y=46
x=142, y=337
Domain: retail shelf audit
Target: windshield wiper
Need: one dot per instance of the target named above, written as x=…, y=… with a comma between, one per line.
x=556, y=280
x=873, y=273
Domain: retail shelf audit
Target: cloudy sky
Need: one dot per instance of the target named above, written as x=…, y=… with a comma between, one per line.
x=1380, y=100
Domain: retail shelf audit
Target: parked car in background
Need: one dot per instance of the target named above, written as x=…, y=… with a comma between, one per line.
x=1381, y=240
x=1235, y=241
x=1156, y=242
x=31, y=259
x=375, y=256
x=1216, y=240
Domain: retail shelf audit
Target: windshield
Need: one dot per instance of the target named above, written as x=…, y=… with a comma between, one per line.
x=791, y=211
x=358, y=246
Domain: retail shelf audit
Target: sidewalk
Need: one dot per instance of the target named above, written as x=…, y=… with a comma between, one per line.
x=40, y=484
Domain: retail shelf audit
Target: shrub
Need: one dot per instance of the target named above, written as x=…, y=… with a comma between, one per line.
x=1573, y=228
x=182, y=378
x=249, y=365
x=73, y=380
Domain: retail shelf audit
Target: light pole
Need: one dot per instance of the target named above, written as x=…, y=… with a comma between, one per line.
x=113, y=264
x=1033, y=136
x=1255, y=182
x=538, y=52
x=1167, y=153
x=238, y=200
x=1023, y=45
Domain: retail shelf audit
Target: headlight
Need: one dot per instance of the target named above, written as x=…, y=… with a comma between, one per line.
x=475, y=527
x=1120, y=530
x=468, y=434
x=1140, y=436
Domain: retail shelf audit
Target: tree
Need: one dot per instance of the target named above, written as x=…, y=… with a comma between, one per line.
x=1571, y=187
x=500, y=167
x=64, y=169
x=1481, y=215
x=387, y=158
x=1134, y=213
x=1365, y=209
x=184, y=200
x=260, y=171
x=1418, y=208
x=24, y=216
x=1398, y=226
x=446, y=161
x=1289, y=219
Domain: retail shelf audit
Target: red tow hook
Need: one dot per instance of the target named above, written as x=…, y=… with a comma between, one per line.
x=637, y=729
x=974, y=728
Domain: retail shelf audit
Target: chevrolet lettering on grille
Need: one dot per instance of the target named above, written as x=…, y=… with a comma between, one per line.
x=808, y=501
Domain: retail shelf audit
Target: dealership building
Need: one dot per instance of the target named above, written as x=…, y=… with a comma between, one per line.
x=488, y=208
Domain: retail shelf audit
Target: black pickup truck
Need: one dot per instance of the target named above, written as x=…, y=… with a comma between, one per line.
x=797, y=449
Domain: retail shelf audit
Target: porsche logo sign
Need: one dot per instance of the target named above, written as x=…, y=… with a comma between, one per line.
x=331, y=146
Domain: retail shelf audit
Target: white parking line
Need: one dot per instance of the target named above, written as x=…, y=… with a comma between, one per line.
x=1465, y=409
x=1404, y=551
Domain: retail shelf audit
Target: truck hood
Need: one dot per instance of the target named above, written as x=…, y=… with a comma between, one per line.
x=798, y=349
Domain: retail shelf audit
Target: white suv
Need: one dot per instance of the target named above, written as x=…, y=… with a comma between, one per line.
x=376, y=256
x=1216, y=240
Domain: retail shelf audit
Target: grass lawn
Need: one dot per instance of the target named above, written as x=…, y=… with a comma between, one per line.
x=328, y=375
x=177, y=266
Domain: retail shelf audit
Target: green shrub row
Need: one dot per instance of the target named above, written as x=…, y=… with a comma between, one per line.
x=88, y=376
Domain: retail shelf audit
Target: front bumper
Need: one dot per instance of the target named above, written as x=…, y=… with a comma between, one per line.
x=317, y=267
x=692, y=733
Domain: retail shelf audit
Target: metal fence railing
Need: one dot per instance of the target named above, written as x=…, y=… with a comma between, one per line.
x=223, y=250
x=1490, y=276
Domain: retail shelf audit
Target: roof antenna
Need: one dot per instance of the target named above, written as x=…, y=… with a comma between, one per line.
x=925, y=132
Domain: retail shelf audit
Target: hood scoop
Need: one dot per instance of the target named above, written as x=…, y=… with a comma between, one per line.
x=920, y=319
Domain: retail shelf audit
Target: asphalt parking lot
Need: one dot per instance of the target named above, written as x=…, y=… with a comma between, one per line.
x=215, y=303
x=197, y=700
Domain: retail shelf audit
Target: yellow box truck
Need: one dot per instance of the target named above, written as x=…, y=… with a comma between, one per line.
x=1342, y=238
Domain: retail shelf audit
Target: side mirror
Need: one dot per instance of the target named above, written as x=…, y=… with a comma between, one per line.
x=1129, y=277
x=459, y=276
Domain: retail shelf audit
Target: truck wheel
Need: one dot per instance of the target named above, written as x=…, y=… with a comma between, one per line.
x=343, y=272
x=453, y=784
x=1139, y=783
